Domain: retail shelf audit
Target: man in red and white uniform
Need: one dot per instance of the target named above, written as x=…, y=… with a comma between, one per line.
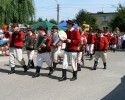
x=15, y=50
x=113, y=42
x=90, y=43
x=82, y=47
x=107, y=34
x=72, y=43
x=43, y=46
x=100, y=48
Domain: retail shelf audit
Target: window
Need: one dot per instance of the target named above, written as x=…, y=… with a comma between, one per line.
x=105, y=18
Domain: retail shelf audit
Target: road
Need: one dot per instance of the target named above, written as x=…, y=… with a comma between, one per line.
x=100, y=84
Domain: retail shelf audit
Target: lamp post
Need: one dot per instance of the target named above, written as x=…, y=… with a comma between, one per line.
x=57, y=11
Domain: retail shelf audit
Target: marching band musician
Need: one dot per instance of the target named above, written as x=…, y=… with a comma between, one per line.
x=15, y=50
x=72, y=43
x=82, y=47
x=55, y=48
x=30, y=44
x=43, y=46
x=100, y=48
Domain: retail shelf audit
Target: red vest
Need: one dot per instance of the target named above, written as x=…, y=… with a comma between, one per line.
x=101, y=44
x=91, y=38
x=17, y=39
x=108, y=36
x=113, y=40
x=75, y=38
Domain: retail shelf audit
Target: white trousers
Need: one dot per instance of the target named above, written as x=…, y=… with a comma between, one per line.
x=80, y=58
x=100, y=54
x=90, y=48
x=15, y=53
x=70, y=57
x=43, y=56
x=30, y=54
x=114, y=46
x=55, y=54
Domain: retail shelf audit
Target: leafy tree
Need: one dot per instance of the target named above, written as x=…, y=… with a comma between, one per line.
x=53, y=21
x=21, y=11
x=61, y=21
x=83, y=16
x=119, y=20
x=40, y=19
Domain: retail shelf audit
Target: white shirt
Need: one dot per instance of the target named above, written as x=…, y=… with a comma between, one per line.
x=123, y=37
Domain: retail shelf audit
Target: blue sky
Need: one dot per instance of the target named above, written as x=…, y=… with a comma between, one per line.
x=69, y=8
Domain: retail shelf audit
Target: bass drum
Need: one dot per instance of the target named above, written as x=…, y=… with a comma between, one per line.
x=62, y=36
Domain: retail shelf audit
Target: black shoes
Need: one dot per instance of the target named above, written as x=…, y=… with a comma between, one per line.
x=25, y=68
x=104, y=65
x=74, y=76
x=94, y=68
x=54, y=66
x=63, y=75
x=78, y=67
x=12, y=70
x=30, y=64
x=95, y=65
x=37, y=74
x=50, y=70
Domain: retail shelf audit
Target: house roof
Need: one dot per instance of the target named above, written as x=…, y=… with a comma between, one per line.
x=102, y=13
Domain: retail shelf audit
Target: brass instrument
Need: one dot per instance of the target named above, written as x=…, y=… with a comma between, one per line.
x=81, y=44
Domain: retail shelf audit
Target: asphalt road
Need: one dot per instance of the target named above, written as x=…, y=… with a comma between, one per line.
x=101, y=84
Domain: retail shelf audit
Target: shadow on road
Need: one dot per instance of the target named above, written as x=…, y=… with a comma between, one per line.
x=118, y=93
x=4, y=71
x=30, y=73
x=86, y=67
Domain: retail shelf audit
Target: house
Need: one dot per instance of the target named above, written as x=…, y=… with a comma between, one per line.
x=102, y=19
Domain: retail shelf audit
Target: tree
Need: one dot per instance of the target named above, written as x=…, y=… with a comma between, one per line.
x=40, y=19
x=21, y=11
x=119, y=20
x=61, y=21
x=83, y=16
x=53, y=21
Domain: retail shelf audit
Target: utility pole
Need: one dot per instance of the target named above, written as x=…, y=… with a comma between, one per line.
x=57, y=11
